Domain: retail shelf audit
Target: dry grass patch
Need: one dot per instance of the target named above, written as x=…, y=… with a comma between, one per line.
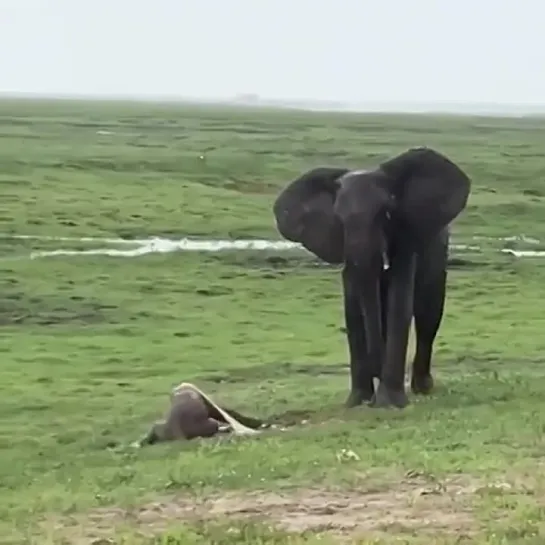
x=413, y=505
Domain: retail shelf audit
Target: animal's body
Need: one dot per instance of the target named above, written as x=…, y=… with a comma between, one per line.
x=191, y=416
x=398, y=213
x=188, y=417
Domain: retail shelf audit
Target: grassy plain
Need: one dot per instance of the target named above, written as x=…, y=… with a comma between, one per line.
x=91, y=345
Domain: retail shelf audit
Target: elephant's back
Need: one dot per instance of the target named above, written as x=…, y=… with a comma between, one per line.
x=189, y=414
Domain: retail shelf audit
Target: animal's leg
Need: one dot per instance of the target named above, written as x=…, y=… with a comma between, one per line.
x=156, y=434
x=391, y=390
x=199, y=428
x=361, y=375
x=210, y=427
x=384, y=285
x=429, y=304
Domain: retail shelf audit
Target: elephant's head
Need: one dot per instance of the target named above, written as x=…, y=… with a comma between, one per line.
x=341, y=215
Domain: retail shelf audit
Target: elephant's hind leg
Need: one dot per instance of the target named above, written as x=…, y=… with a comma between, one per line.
x=429, y=303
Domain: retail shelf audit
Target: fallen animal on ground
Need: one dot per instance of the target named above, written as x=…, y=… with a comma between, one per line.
x=389, y=227
x=193, y=414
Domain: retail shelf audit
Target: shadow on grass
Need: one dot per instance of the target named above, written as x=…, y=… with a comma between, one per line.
x=227, y=533
x=469, y=368
x=293, y=259
x=462, y=385
x=272, y=371
x=18, y=308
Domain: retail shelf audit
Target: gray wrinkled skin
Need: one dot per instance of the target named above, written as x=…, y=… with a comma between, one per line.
x=190, y=416
x=389, y=227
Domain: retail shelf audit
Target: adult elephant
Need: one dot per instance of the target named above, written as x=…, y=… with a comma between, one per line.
x=390, y=228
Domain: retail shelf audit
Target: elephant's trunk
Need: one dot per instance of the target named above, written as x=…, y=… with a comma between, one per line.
x=364, y=249
x=368, y=274
x=370, y=304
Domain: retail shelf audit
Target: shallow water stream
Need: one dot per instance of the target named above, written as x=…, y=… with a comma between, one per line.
x=119, y=247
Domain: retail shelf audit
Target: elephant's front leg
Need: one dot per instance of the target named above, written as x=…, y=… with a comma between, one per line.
x=391, y=391
x=361, y=371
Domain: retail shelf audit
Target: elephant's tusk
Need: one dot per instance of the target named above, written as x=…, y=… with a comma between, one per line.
x=385, y=261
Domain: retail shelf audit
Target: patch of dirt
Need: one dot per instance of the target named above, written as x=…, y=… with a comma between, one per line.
x=414, y=504
x=464, y=263
x=251, y=187
x=271, y=260
x=269, y=372
x=20, y=309
x=276, y=264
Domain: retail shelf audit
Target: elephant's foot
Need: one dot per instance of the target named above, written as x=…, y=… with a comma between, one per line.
x=388, y=397
x=422, y=384
x=358, y=396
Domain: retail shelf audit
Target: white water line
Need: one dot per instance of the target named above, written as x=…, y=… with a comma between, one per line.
x=140, y=247
x=524, y=253
x=52, y=238
x=163, y=246
x=513, y=238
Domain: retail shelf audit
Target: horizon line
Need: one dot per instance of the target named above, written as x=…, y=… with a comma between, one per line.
x=252, y=100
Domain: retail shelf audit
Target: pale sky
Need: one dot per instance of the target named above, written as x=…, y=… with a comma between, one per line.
x=347, y=50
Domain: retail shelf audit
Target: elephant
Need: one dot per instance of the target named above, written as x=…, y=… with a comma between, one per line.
x=192, y=415
x=389, y=227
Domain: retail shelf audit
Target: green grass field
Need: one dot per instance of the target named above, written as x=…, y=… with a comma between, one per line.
x=91, y=345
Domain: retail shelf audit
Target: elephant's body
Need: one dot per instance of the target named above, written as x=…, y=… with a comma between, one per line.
x=190, y=416
x=400, y=211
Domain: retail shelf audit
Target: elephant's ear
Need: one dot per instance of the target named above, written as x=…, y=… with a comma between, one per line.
x=429, y=189
x=304, y=213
